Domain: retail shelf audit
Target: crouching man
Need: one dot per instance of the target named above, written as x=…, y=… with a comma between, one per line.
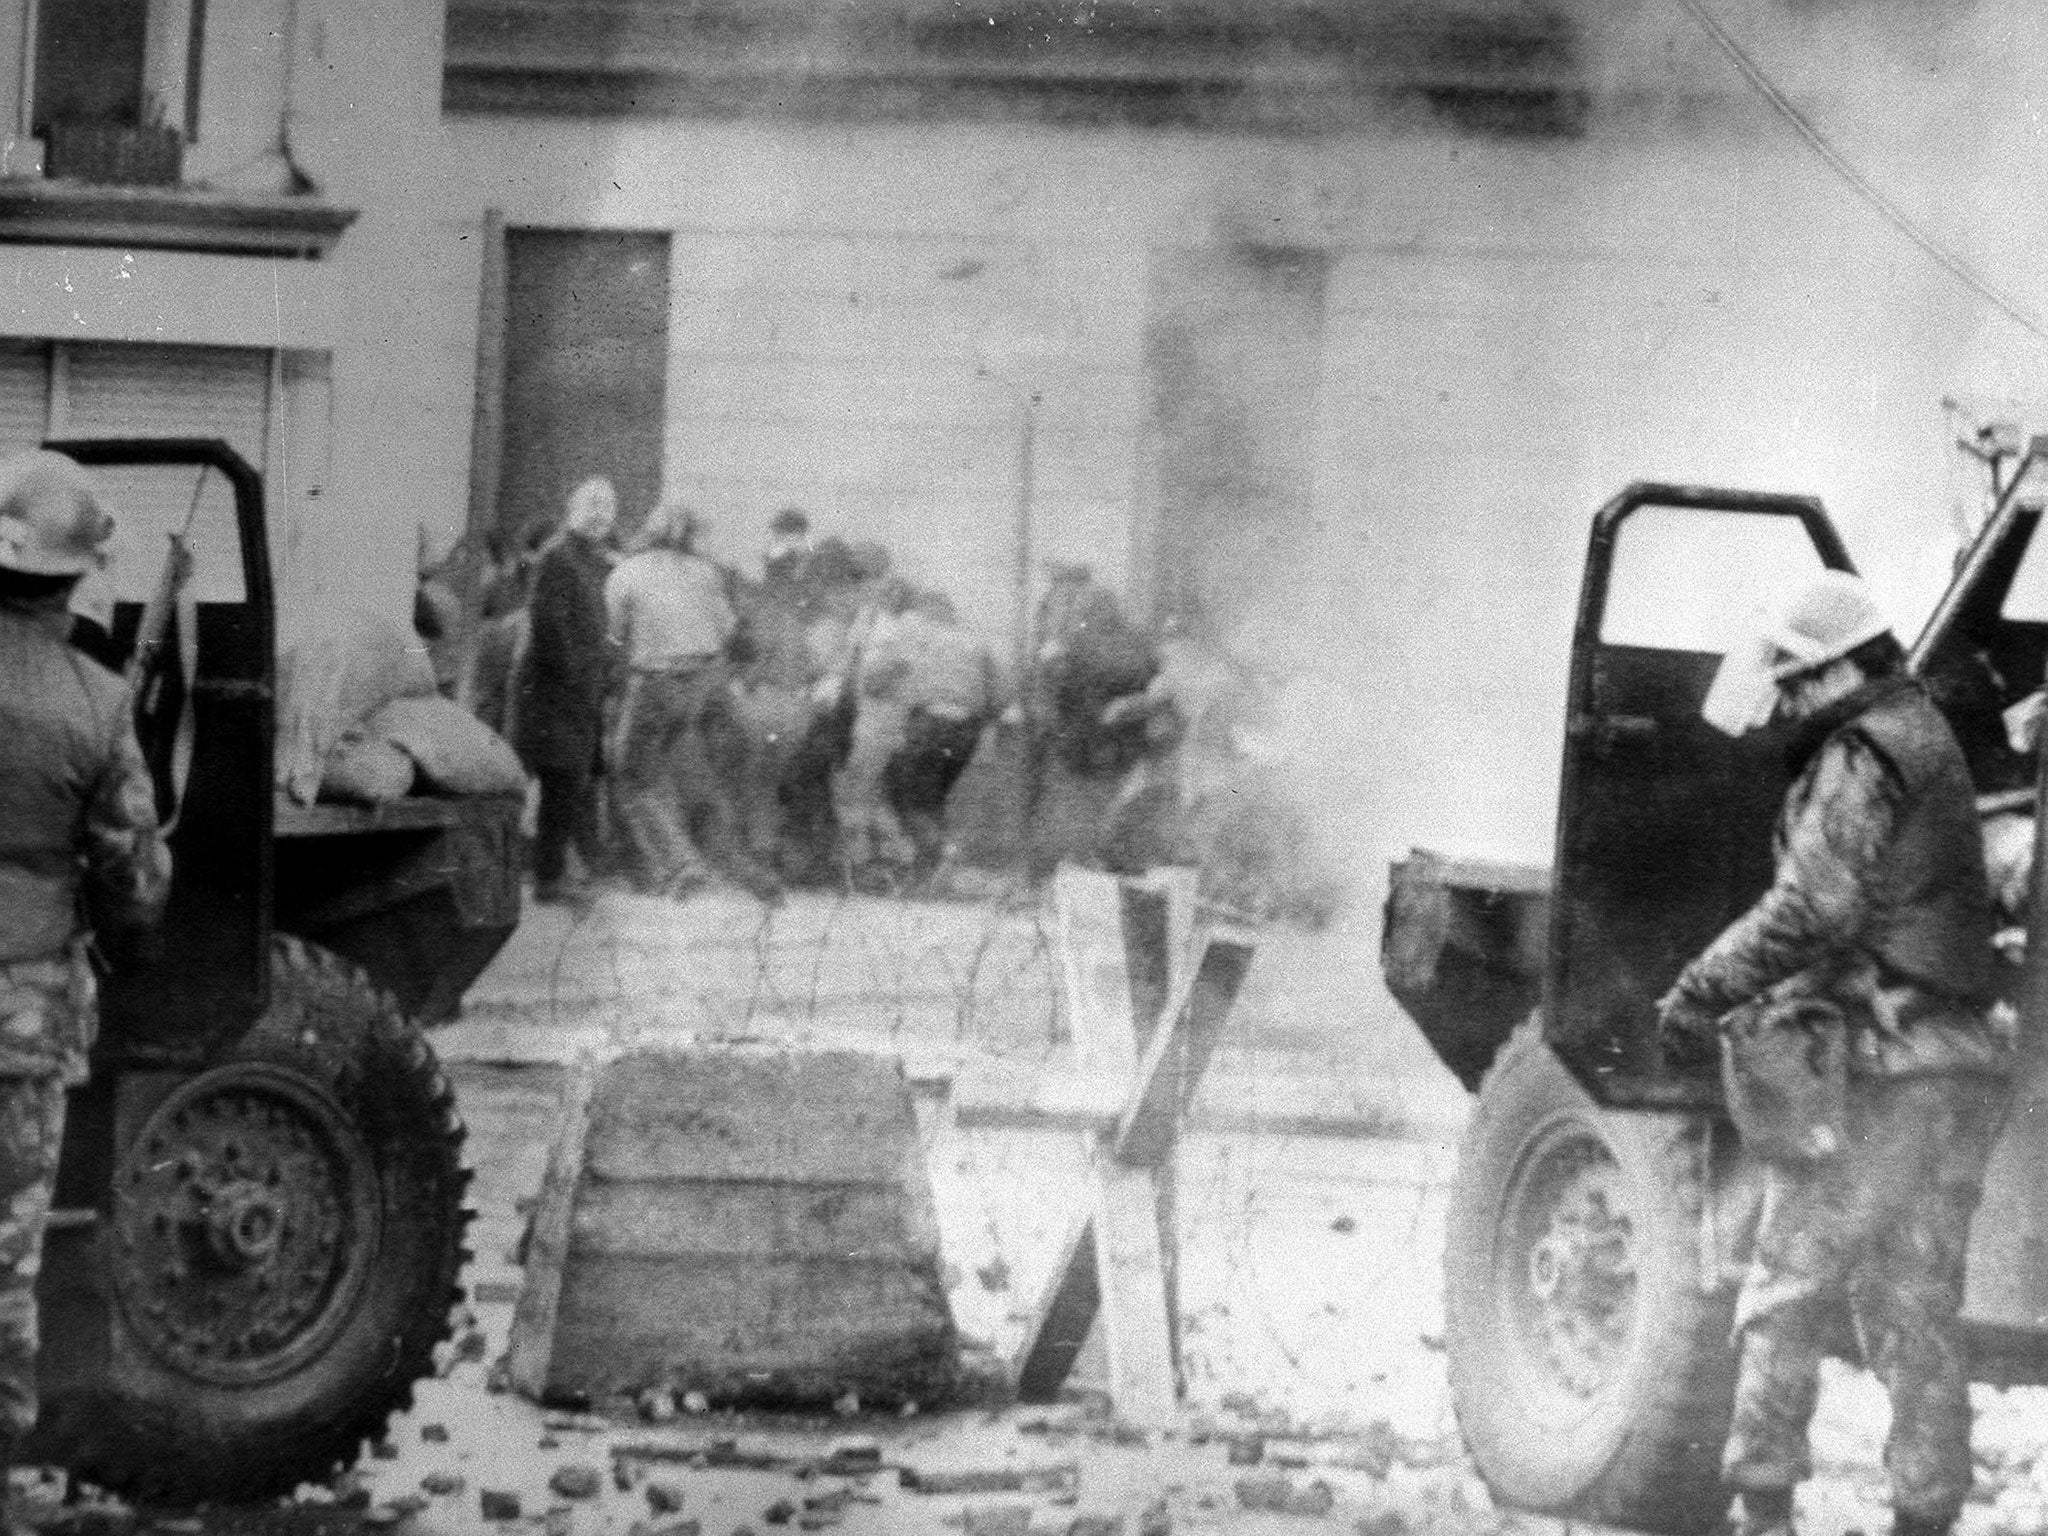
x=1878, y=914
x=79, y=844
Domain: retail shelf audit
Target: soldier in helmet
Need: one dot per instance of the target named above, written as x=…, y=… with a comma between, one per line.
x=1880, y=919
x=80, y=850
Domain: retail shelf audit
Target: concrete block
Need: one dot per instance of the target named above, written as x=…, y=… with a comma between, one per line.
x=736, y=1224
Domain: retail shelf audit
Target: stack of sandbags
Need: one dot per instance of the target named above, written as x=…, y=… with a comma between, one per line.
x=361, y=719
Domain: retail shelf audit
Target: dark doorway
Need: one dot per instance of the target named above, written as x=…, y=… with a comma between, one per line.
x=585, y=365
x=1233, y=355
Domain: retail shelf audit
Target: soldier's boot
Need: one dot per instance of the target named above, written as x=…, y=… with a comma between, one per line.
x=1765, y=1512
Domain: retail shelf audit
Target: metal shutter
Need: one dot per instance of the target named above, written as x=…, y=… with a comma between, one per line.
x=117, y=389
x=24, y=394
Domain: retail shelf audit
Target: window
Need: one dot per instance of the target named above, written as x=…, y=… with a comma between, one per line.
x=118, y=63
x=1691, y=579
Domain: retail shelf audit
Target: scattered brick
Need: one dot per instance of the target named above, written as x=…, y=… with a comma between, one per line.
x=1278, y=1495
x=663, y=1496
x=442, y=1484
x=849, y=1456
x=1246, y=1450
x=1054, y=1478
x=576, y=1481
x=998, y=1520
x=495, y=1505
x=434, y=1434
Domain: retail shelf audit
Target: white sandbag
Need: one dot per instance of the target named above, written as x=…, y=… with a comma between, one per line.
x=331, y=675
x=457, y=753
x=362, y=769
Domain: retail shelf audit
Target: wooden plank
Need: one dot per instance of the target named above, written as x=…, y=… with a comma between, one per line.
x=1144, y=1379
x=531, y=1349
x=1094, y=972
x=1179, y=1055
x=1158, y=925
x=1061, y=1319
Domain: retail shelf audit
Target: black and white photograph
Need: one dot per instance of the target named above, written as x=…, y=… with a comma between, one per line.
x=1025, y=768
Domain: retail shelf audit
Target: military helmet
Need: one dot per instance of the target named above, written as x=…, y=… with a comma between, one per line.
x=1822, y=621
x=51, y=519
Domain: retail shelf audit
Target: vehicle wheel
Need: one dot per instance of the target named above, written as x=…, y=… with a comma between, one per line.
x=1591, y=1374
x=283, y=1245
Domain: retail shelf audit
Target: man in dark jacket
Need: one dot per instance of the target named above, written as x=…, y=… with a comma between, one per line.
x=563, y=679
x=79, y=848
x=1090, y=716
x=1879, y=912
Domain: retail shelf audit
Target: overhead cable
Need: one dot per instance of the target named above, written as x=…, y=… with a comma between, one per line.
x=1948, y=260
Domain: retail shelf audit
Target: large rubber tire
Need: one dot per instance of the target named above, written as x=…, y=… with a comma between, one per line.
x=1590, y=1369
x=284, y=1244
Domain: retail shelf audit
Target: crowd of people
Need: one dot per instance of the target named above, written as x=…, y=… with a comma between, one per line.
x=807, y=723
x=687, y=722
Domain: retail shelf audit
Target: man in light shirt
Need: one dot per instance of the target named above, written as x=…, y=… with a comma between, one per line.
x=671, y=617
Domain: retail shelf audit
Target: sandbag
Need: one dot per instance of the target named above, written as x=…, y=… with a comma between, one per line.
x=330, y=677
x=362, y=769
x=457, y=753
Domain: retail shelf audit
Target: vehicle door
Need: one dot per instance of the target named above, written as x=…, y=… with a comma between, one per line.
x=205, y=719
x=1664, y=823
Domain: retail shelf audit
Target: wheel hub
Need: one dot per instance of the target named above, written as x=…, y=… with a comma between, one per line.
x=1575, y=1296
x=245, y=1222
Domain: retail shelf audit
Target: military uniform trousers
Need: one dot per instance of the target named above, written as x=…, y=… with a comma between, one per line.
x=47, y=1013
x=1884, y=1228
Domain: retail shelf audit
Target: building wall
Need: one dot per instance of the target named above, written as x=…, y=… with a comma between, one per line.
x=1514, y=329
x=863, y=315
x=376, y=382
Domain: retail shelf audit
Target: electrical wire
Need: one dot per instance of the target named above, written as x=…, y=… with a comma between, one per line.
x=1860, y=184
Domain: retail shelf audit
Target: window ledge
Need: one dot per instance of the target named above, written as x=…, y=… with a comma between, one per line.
x=168, y=218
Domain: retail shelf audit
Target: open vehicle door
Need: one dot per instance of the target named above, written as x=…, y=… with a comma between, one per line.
x=1664, y=823
x=204, y=717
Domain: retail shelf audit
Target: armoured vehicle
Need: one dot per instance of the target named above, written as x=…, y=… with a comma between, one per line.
x=1597, y=1227
x=259, y=1221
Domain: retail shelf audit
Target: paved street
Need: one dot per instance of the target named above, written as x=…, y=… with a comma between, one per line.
x=1309, y=1264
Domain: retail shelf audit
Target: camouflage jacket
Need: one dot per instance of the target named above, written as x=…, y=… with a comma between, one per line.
x=1879, y=901
x=79, y=843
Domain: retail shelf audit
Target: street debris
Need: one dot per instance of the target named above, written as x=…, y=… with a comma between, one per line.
x=997, y=1520
x=1059, y=1477
x=1278, y=1494
x=494, y=1504
x=576, y=1481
